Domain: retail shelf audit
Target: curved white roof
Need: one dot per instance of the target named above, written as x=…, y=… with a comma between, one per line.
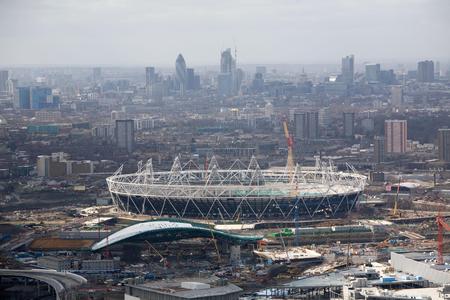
x=137, y=229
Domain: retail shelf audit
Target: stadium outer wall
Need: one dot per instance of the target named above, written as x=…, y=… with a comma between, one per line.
x=249, y=209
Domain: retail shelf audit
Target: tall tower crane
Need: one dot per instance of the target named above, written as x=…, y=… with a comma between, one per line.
x=290, y=158
x=290, y=170
x=394, y=211
x=440, y=220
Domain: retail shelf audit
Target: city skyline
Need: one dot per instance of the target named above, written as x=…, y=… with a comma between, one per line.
x=190, y=149
x=79, y=33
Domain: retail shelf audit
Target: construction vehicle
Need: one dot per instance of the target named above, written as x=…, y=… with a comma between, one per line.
x=261, y=245
x=442, y=225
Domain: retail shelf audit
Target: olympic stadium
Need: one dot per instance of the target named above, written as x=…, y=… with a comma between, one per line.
x=238, y=193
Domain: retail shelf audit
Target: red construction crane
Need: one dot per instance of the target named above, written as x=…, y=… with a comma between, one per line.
x=440, y=238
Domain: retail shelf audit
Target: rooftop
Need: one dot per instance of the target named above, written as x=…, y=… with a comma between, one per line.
x=190, y=287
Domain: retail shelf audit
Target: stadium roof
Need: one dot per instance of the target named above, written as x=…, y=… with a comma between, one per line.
x=161, y=231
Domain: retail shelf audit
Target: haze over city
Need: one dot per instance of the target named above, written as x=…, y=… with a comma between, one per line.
x=119, y=32
x=224, y=150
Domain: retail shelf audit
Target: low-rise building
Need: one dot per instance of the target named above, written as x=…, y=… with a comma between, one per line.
x=186, y=288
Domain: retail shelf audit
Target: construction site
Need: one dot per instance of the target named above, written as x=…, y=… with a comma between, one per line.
x=311, y=232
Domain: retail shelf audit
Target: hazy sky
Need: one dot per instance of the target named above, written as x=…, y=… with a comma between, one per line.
x=150, y=32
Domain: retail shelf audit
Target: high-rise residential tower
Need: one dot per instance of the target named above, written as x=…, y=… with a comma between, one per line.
x=306, y=125
x=300, y=126
x=444, y=144
x=124, y=134
x=379, y=149
x=349, y=124
x=425, y=71
x=373, y=73
x=313, y=124
x=395, y=135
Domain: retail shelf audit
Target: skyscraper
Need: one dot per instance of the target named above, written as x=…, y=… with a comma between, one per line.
x=379, y=149
x=373, y=73
x=150, y=76
x=397, y=95
x=395, y=134
x=190, y=79
x=227, y=63
x=180, y=68
x=444, y=144
x=227, y=83
x=4, y=77
x=124, y=134
x=349, y=124
x=347, y=66
x=425, y=71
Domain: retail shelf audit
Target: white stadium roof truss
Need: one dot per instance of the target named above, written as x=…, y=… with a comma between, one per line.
x=191, y=183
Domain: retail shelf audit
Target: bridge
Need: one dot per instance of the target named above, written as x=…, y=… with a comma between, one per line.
x=170, y=230
x=63, y=283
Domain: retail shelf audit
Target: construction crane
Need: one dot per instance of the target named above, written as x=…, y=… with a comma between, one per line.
x=163, y=259
x=290, y=170
x=288, y=260
x=440, y=220
x=215, y=244
x=395, y=209
x=290, y=158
